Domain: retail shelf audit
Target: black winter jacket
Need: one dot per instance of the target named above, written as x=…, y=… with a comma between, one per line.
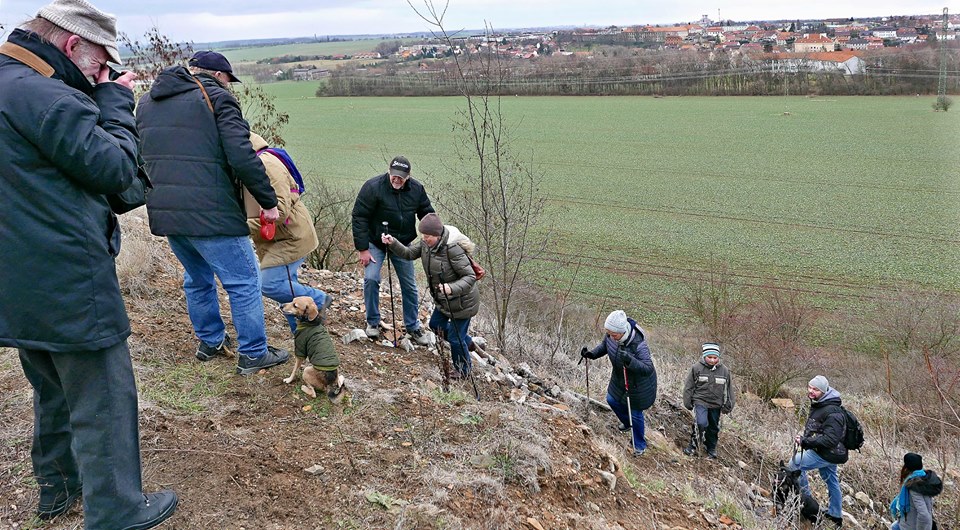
x=65, y=145
x=825, y=428
x=196, y=159
x=641, y=374
x=378, y=202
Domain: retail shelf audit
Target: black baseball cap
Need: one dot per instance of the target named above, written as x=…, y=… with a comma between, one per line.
x=209, y=60
x=400, y=167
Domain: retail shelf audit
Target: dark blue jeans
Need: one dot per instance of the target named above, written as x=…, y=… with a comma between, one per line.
x=85, y=429
x=620, y=409
x=455, y=330
x=408, y=289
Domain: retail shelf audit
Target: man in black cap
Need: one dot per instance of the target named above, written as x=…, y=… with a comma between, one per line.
x=398, y=199
x=70, y=147
x=197, y=149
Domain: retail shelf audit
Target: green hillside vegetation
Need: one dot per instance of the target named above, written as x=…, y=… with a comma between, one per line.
x=841, y=198
x=256, y=53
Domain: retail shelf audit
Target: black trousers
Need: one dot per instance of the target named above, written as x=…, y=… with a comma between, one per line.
x=85, y=430
x=708, y=423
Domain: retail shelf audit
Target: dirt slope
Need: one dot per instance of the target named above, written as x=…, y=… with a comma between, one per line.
x=398, y=453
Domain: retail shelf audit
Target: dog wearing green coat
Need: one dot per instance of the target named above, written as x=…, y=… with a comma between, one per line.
x=312, y=343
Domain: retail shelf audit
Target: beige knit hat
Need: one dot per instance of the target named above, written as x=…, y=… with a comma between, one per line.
x=81, y=18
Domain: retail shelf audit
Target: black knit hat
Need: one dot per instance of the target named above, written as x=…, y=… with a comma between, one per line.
x=913, y=462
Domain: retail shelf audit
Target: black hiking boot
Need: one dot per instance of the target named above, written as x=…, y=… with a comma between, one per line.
x=157, y=508
x=54, y=503
x=206, y=352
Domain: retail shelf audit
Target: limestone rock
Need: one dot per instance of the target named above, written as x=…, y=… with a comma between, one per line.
x=783, y=403
x=354, y=335
x=533, y=523
x=609, y=478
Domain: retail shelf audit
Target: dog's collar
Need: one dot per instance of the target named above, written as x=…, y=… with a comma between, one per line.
x=315, y=322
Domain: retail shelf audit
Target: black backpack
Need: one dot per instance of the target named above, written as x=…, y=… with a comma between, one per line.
x=853, y=434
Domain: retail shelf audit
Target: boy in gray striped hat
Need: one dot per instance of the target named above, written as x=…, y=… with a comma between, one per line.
x=708, y=392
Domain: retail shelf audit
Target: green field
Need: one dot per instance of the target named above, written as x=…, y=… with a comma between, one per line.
x=845, y=198
x=255, y=53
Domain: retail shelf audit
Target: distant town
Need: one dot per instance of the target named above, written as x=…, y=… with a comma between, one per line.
x=647, y=54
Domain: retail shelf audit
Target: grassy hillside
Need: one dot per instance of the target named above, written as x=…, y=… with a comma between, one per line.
x=841, y=198
x=401, y=453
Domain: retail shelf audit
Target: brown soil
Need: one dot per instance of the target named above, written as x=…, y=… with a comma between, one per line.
x=397, y=453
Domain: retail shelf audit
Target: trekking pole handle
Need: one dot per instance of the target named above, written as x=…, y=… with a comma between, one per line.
x=386, y=227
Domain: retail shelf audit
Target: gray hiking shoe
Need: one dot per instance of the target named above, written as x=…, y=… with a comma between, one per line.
x=420, y=336
x=247, y=365
x=372, y=331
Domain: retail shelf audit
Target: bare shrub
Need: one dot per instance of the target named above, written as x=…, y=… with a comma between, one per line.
x=716, y=303
x=772, y=348
x=500, y=203
x=919, y=338
x=331, y=211
x=765, y=328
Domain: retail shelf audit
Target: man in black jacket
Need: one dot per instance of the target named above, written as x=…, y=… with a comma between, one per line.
x=397, y=198
x=69, y=142
x=822, y=444
x=197, y=148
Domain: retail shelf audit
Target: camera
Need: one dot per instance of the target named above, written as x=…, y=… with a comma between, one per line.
x=114, y=73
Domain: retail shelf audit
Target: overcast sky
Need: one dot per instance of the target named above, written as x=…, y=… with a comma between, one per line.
x=217, y=20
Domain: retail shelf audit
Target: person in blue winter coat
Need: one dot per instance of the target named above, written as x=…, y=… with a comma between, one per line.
x=633, y=376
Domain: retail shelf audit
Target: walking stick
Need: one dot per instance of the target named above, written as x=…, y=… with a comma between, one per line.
x=626, y=385
x=393, y=314
x=444, y=361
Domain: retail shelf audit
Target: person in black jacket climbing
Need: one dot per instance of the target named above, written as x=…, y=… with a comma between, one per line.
x=822, y=444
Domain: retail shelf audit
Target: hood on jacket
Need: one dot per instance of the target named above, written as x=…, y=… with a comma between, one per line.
x=832, y=397
x=929, y=484
x=173, y=81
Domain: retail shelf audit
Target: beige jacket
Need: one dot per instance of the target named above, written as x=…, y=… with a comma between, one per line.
x=296, y=236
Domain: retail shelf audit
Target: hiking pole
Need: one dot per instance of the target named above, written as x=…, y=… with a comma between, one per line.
x=393, y=313
x=696, y=431
x=626, y=386
x=444, y=361
x=463, y=343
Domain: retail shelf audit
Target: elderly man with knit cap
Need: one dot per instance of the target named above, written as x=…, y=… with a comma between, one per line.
x=70, y=148
x=389, y=203
x=443, y=250
x=633, y=382
x=708, y=392
x=822, y=444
